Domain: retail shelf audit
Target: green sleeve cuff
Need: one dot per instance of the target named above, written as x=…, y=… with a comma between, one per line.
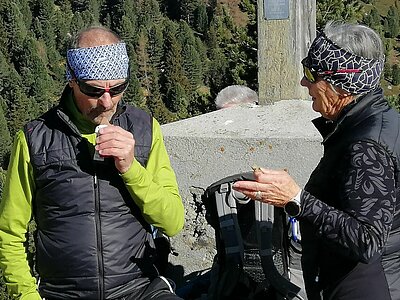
x=133, y=172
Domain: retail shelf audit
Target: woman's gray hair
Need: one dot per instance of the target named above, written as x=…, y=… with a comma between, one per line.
x=358, y=39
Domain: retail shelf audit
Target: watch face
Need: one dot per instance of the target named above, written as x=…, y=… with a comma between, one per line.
x=292, y=208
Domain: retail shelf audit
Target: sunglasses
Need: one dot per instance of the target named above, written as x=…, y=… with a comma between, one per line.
x=97, y=92
x=311, y=75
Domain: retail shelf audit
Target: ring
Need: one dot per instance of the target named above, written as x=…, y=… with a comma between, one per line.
x=258, y=195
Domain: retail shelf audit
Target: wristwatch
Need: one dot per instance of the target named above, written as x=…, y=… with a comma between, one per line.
x=293, y=207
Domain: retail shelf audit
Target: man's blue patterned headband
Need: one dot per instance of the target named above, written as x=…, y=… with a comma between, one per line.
x=105, y=62
x=325, y=55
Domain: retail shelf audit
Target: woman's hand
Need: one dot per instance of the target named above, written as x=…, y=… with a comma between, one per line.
x=274, y=187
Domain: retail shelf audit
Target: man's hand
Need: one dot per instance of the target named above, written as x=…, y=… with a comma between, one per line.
x=118, y=143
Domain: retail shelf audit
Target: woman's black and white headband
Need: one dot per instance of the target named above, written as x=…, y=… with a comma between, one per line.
x=324, y=55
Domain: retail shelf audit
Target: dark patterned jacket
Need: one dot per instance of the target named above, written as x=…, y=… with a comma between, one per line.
x=92, y=241
x=350, y=222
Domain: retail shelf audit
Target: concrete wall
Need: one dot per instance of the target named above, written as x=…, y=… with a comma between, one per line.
x=212, y=146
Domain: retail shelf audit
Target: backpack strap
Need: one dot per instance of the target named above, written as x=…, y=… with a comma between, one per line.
x=228, y=223
x=233, y=243
x=265, y=219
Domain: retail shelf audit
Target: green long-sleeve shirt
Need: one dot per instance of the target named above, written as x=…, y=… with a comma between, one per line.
x=153, y=188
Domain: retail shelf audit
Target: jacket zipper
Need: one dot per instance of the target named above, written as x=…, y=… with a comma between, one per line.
x=98, y=236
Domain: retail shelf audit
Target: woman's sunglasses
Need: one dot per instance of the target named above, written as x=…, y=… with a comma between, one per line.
x=311, y=75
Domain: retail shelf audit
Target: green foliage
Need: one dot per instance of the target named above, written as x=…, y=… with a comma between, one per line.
x=395, y=74
x=182, y=52
x=394, y=101
x=392, y=22
x=373, y=20
x=4, y=136
x=346, y=10
x=201, y=18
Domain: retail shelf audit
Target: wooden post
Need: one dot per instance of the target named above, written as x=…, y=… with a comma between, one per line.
x=285, y=31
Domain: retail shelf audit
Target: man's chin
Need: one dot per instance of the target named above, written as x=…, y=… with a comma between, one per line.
x=101, y=119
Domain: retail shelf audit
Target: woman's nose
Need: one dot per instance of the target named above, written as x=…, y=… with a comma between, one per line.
x=304, y=82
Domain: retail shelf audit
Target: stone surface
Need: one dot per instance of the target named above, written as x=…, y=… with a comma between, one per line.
x=212, y=146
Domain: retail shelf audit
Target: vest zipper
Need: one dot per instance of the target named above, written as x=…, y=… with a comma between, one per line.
x=98, y=236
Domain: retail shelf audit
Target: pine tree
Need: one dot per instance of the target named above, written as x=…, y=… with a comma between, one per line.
x=192, y=64
x=145, y=69
x=346, y=10
x=4, y=135
x=395, y=74
x=393, y=22
x=160, y=111
x=3, y=38
x=15, y=28
x=79, y=5
x=128, y=26
x=387, y=71
x=77, y=23
x=114, y=10
x=149, y=13
x=39, y=86
x=93, y=8
x=373, y=20
x=26, y=12
x=201, y=18
x=176, y=83
x=218, y=61
x=43, y=10
x=20, y=111
x=156, y=42
x=62, y=22
x=187, y=9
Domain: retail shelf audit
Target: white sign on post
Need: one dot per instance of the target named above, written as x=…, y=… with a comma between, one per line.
x=276, y=9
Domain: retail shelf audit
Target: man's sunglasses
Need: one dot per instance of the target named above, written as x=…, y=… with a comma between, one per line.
x=97, y=92
x=311, y=75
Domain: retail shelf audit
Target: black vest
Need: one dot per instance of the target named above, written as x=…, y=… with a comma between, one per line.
x=92, y=241
x=371, y=119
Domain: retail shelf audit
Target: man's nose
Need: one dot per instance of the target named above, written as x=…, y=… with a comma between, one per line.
x=105, y=101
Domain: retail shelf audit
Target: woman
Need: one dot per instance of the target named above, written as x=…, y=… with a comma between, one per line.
x=349, y=211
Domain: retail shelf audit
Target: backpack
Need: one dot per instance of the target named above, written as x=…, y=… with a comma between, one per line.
x=252, y=247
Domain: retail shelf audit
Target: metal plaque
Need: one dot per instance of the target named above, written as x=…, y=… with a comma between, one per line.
x=276, y=9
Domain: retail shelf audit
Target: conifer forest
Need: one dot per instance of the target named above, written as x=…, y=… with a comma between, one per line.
x=182, y=53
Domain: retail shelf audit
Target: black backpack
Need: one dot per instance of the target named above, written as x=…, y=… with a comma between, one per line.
x=252, y=245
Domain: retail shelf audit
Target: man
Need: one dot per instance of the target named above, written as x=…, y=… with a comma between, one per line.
x=95, y=198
